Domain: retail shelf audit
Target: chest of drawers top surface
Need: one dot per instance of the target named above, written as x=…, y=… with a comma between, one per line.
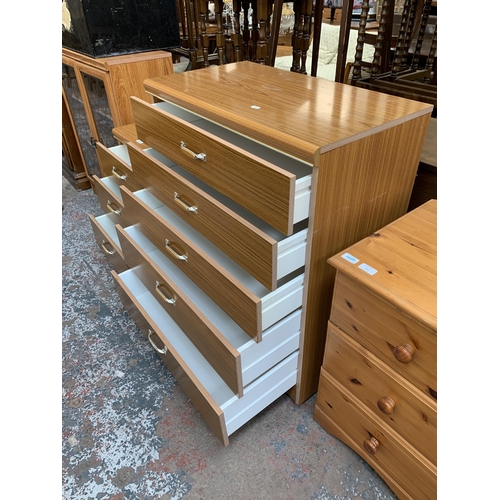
x=312, y=115
x=404, y=256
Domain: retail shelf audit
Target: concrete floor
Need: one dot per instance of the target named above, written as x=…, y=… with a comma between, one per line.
x=129, y=432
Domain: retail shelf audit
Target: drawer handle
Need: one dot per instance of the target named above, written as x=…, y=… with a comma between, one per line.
x=184, y=205
x=103, y=246
x=111, y=209
x=178, y=256
x=404, y=353
x=155, y=347
x=163, y=296
x=192, y=154
x=117, y=174
x=371, y=445
x=386, y=405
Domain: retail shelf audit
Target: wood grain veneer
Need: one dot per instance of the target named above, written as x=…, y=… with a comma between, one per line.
x=259, y=186
x=107, y=199
x=224, y=358
x=364, y=148
x=296, y=114
x=201, y=399
x=123, y=76
x=113, y=253
x=247, y=245
x=108, y=160
x=239, y=304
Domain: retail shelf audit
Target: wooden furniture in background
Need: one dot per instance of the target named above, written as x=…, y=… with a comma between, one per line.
x=412, y=71
x=378, y=386
x=97, y=92
x=232, y=211
x=73, y=164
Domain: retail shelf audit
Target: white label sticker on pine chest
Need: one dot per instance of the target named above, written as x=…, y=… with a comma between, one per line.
x=350, y=258
x=367, y=269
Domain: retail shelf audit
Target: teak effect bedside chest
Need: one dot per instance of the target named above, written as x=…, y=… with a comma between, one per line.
x=244, y=179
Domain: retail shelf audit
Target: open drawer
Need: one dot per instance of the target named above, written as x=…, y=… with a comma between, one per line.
x=223, y=411
x=273, y=186
x=251, y=305
x=236, y=357
x=104, y=228
x=256, y=246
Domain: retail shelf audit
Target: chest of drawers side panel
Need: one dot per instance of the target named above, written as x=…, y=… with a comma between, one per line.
x=360, y=187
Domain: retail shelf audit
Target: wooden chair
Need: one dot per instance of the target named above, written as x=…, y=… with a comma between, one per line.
x=409, y=71
x=257, y=39
x=198, y=35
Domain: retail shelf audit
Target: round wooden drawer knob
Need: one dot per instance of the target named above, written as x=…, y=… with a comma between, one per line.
x=404, y=353
x=386, y=405
x=371, y=445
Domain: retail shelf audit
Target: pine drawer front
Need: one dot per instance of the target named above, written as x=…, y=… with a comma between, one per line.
x=108, y=193
x=237, y=293
x=222, y=410
x=388, y=395
x=104, y=228
x=346, y=418
x=237, y=359
x=263, y=188
x=387, y=331
x=256, y=246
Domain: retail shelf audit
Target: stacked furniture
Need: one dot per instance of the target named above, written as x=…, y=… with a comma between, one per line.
x=378, y=384
x=237, y=183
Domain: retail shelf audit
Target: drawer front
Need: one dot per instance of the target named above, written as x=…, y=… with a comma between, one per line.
x=209, y=410
x=224, y=358
x=106, y=242
x=238, y=303
x=398, y=463
x=402, y=407
x=259, y=186
x=406, y=345
x=222, y=410
x=250, y=247
x=108, y=199
x=115, y=162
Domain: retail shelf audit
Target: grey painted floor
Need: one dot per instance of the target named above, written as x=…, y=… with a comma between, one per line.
x=129, y=431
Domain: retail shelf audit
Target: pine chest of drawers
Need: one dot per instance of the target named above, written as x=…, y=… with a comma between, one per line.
x=240, y=182
x=378, y=384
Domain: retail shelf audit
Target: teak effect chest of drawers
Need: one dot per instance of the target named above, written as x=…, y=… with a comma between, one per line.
x=220, y=217
x=378, y=384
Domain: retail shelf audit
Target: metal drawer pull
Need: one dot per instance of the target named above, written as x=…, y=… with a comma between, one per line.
x=117, y=174
x=111, y=209
x=178, y=256
x=103, y=246
x=184, y=205
x=196, y=156
x=163, y=296
x=155, y=347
